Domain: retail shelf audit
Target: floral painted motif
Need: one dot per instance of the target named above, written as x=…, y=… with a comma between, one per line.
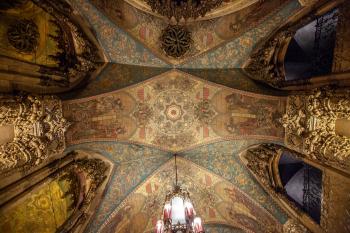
x=174, y=111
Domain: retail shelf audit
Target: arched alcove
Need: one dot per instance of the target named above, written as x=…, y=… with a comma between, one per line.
x=310, y=51
x=302, y=184
x=294, y=184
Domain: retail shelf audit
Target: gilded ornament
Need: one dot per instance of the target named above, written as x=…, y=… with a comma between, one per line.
x=176, y=40
x=310, y=126
x=39, y=129
x=23, y=35
x=183, y=9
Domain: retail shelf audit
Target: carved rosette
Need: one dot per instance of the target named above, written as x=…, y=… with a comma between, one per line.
x=39, y=129
x=310, y=126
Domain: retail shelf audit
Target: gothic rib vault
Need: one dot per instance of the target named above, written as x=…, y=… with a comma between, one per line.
x=143, y=106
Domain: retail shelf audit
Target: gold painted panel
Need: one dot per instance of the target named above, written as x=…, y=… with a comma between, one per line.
x=42, y=211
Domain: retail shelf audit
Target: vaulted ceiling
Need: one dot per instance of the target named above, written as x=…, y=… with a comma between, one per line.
x=144, y=106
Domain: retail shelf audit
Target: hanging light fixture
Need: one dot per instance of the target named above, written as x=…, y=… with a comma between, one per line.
x=179, y=215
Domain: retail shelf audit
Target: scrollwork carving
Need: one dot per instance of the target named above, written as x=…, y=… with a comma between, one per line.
x=310, y=126
x=262, y=65
x=38, y=130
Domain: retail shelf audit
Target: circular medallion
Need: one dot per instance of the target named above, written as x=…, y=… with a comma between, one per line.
x=175, y=40
x=24, y=35
x=173, y=112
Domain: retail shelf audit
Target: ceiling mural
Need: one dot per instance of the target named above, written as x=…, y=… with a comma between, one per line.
x=234, y=53
x=220, y=228
x=118, y=46
x=222, y=159
x=215, y=200
x=174, y=111
x=206, y=34
x=114, y=76
x=139, y=168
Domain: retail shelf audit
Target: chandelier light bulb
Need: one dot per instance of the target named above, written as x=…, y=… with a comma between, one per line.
x=167, y=212
x=189, y=210
x=179, y=215
x=197, y=225
x=159, y=227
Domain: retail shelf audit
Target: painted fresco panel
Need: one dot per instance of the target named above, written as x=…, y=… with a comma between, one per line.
x=222, y=159
x=117, y=44
x=215, y=200
x=133, y=164
x=234, y=53
x=174, y=111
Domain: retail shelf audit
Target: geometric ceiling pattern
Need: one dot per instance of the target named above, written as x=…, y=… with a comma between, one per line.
x=140, y=110
x=222, y=190
x=131, y=44
x=174, y=111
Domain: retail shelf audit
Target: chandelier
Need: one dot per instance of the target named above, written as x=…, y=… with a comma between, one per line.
x=183, y=8
x=179, y=215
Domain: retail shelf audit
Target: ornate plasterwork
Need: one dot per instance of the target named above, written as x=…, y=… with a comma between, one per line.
x=182, y=9
x=24, y=35
x=293, y=226
x=262, y=65
x=38, y=129
x=50, y=40
x=310, y=126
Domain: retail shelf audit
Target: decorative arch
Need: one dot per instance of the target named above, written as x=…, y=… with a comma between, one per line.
x=274, y=60
x=38, y=131
x=72, y=186
x=45, y=47
x=311, y=193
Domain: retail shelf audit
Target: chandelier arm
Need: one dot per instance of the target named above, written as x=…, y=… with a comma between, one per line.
x=175, y=171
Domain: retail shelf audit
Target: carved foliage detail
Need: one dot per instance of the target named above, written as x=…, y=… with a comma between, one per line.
x=293, y=226
x=262, y=64
x=310, y=126
x=38, y=130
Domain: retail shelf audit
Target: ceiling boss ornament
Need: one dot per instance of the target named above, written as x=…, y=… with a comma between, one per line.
x=175, y=40
x=178, y=213
x=183, y=9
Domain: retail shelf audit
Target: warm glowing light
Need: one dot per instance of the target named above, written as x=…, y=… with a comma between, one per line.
x=178, y=211
x=197, y=225
x=167, y=211
x=189, y=209
x=159, y=227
